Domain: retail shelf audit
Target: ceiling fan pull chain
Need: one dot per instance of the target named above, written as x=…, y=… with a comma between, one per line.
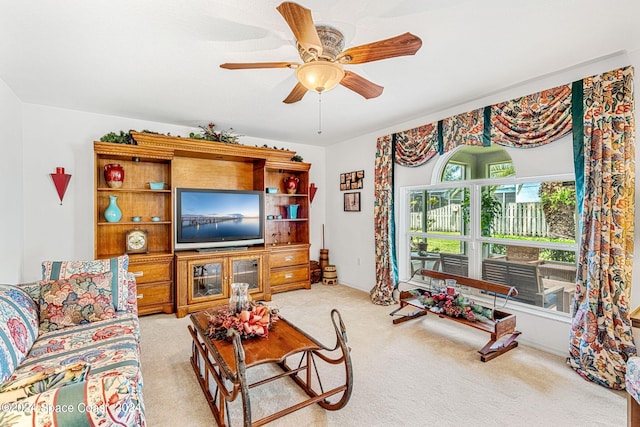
x=319, y=113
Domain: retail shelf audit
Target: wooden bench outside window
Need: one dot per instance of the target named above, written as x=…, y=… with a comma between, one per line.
x=526, y=277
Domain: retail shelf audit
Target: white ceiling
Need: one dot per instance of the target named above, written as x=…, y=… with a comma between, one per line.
x=159, y=60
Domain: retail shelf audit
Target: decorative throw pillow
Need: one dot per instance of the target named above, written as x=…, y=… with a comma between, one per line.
x=32, y=289
x=54, y=270
x=18, y=328
x=74, y=301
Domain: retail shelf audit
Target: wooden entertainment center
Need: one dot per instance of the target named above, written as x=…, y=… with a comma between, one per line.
x=188, y=281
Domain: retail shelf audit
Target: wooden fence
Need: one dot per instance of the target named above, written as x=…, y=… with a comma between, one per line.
x=517, y=219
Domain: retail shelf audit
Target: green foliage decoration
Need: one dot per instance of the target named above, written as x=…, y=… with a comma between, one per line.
x=208, y=134
x=121, y=138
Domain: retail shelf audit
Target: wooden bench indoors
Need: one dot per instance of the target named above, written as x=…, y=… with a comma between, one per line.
x=501, y=324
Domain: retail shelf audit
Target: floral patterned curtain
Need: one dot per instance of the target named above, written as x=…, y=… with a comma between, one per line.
x=415, y=147
x=463, y=129
x=601, y=338
x=386, y=273
x=532, y=120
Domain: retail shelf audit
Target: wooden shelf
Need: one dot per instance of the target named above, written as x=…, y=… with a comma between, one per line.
x=134, y=223
x=132, y=190
x=154, y=269
x=192, y=163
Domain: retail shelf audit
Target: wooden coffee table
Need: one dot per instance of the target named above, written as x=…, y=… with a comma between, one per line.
x=227, y=362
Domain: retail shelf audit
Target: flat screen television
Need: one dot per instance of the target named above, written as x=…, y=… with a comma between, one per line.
x=210, y=218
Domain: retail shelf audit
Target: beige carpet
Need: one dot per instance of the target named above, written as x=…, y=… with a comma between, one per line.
x=423, y=372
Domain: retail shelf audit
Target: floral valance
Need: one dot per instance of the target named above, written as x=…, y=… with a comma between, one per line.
x=463, y=129
x=532, y=120
x=525, y=122
x=415, y=147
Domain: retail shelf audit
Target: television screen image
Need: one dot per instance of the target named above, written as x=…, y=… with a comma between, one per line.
x=211, y=218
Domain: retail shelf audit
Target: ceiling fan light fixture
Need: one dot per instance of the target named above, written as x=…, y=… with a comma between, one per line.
x=320, y=76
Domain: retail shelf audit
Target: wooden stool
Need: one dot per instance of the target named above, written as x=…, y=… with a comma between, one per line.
x=329, y=275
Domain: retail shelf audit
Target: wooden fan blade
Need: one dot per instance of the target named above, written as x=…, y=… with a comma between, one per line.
x=360, y=85
x=296, y=94
x=404, y=44
x=301, y=23
x=250, y=65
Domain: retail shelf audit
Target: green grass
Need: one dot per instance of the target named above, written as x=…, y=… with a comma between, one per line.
x=444, y=245
x=454, y=246
x=534, y=239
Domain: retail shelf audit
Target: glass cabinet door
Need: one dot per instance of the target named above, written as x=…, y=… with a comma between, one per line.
x=246, y=270
x=207, y=280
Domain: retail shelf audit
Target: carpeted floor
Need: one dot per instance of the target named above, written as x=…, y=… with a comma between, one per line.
x=423, y=372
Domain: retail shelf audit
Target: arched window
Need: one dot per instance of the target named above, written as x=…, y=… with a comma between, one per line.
x=473, y=162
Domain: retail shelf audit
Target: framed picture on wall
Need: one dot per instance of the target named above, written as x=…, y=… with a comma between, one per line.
x=351, y=180
x=352, y=202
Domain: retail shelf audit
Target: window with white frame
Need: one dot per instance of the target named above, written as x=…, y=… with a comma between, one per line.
x=454, y=171
x=495, y=227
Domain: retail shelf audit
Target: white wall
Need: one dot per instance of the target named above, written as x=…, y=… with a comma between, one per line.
x=351, y=235
x=55, y=137
x=11, y=236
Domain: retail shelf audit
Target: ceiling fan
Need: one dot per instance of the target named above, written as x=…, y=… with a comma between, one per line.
x=321, y=50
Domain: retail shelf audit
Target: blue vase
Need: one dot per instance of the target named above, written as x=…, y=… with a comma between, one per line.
x=113, y=212
x=292, y=211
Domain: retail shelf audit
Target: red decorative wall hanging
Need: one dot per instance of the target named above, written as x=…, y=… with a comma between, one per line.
x=61, y=181
x=312, y=191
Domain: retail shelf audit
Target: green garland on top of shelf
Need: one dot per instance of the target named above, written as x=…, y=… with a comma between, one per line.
x=208, y=134
x=121, y=138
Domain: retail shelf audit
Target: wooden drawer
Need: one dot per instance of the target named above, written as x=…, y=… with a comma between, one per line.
x=288, y=258
x=150, y=272
x=154, y=294
x=289, y=275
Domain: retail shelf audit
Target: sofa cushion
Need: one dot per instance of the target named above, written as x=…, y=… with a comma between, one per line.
x=18, y=328
x=108, y=347
x=70, y=302
x=54, y=270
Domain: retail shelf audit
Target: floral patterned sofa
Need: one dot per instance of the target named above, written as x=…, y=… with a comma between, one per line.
x=69, y=347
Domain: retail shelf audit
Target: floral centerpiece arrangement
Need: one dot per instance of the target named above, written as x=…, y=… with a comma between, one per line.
x=452, y=304
x=252, y=323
